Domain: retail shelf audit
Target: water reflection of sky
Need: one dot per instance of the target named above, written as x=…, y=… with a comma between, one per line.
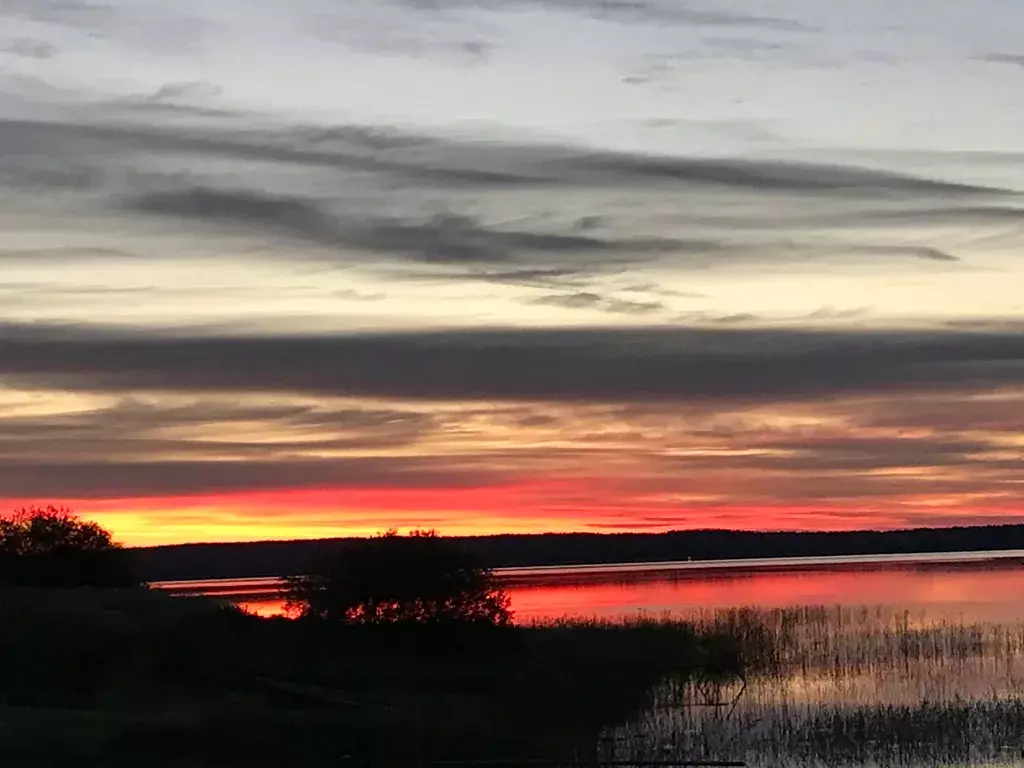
x=884, y=663
x=972, y=594
x=852, y=687
x=933, y=591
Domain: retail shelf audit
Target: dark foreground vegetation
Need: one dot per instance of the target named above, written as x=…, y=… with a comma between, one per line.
x=280, y=558
x=132, y=677
x=404, y=650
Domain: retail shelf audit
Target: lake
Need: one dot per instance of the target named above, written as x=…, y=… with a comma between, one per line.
x=968, y=586
x=904, y=661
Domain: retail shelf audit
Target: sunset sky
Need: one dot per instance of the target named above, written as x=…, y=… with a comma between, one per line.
x=314, y=268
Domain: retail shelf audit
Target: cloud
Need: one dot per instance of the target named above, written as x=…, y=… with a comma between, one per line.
x=473, y=163
x=588, y=300
x=99, y=141
x=139, y=25
x=134, y=419
x=64, y=12
x=13, y=294
x=188, y=98
x=930, y=254
x=531, y=277
x=349, y=294
x=441, y=238
x=658, y=290
x=737, y=318
x=653, y=456
x=1002, y=413
x=125, y=479
x=575, y=274
x=578, y=300
x=529, y=365
x=834, y=313
x=779, y=176
x=1014, y=59
x=290, y=216
x=881, y=215
x=628, y=11
x=30, y=49
x=627, y=307
x=462, y=238
x=857, y=453
x=153, y=446
x=185, y=89
x=372, y=195
x=65, y=254
x=453, y=48
x=969, y=214
x=914, y=251
x=207, y=430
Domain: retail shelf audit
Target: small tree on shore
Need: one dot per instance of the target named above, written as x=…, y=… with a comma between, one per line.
x=50, y=546
x=421, y=578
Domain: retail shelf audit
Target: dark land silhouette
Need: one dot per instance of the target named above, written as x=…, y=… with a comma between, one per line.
x=283, y=558
x=404, y=650
x=136, y=677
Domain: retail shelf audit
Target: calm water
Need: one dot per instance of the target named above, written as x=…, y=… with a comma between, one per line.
x=852, y=687
x=909, y=662
x=975, y=586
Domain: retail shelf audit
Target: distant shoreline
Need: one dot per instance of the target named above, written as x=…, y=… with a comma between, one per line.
x=701, y=568
x=262, y=587
x=709, y=549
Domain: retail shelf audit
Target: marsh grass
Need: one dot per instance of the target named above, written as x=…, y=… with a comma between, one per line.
x=848, y=687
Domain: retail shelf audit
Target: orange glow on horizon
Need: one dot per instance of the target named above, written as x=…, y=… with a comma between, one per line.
x=534, y=507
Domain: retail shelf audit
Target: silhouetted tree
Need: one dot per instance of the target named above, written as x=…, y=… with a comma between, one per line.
x=390, y=579
x=51, y=547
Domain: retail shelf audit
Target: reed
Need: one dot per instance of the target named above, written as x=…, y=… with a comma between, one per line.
x=847, y=687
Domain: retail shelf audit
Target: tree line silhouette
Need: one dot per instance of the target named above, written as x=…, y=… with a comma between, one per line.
x=282, y=558
x=50, y=547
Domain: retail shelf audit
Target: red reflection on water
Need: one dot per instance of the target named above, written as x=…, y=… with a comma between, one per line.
x=971, y=594
x=268, y=607
x=989, y=592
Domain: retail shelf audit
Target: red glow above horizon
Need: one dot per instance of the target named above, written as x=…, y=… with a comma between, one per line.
x=539, y=507
x=164, y=468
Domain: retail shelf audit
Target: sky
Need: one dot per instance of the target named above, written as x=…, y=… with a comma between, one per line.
x=284, y=270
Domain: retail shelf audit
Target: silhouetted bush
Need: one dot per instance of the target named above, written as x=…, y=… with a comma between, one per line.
x=51, y=547
x=391, y=579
